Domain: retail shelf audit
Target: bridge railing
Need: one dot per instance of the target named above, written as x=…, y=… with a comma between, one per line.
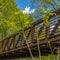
x=36, y=31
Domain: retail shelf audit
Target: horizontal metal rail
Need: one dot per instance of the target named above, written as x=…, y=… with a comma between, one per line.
x=45, y=34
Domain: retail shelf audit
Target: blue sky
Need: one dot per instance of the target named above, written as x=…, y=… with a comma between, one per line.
x=25, y=6
x=23, y=3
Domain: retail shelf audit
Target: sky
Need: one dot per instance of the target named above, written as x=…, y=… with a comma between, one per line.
x=25, y=6
x=23, y=3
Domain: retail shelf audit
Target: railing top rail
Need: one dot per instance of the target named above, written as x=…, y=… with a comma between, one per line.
x=40, y=20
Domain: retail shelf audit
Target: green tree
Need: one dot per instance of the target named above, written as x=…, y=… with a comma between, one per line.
x=12, y=19
x=43, y=9
x=7, y=7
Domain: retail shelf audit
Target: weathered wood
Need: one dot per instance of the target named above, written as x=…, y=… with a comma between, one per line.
x=33, y=34
x=17, y=41
x=55, y=28
x=40, y=30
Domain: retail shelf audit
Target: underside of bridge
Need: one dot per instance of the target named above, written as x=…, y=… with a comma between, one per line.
x=24, y=51
x=48, y=40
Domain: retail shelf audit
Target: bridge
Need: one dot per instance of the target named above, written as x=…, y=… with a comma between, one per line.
x=33, y=40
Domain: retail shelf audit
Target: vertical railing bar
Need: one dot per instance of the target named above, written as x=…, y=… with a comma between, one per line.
x=6, y=41
x=12, y=40
x=32, y=34
x=17, y=41
x=28, y=34
x=40, y=29
x=55, y=28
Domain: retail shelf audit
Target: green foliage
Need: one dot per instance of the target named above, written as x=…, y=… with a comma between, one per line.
x=47, y=1
x=44, y=1
x=31, y=0
x=12, y=19
x=45, y=15
x=23, y=19
x=7, y=7
x=58, y=4
x=43, y=10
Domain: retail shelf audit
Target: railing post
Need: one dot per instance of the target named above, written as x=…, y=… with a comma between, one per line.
x=55, y=28
x=1, y=46
x=47, y=30
x=23, y=38
x=11, y=42
x=14, y=41
x=4, y=44
x=33, y=34
x=18, y=39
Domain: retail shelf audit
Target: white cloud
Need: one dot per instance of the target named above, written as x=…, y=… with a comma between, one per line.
x=28, y=10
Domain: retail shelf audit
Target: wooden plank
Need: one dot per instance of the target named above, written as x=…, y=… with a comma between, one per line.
x=42, y=42
x=55, y=28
